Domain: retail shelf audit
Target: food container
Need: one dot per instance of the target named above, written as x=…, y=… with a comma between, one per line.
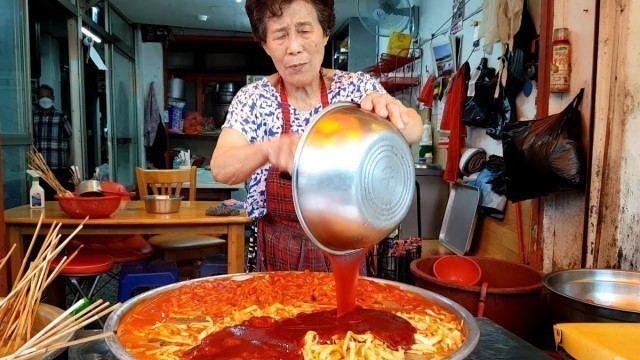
x=162, y=204
x=594, y=295
x=457, y=270
x=45, y=315
x=470, y=326
x=353, y=178
x=512, y=297
x=93, y=207
x=90, y=188
x=113, y=188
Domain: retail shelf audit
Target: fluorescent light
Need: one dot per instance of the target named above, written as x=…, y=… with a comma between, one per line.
x=91, y=35
x=238, y=1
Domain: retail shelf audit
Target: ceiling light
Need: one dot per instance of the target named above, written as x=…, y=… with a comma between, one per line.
x=238, y=1
x=91, y=35
x=202, y=17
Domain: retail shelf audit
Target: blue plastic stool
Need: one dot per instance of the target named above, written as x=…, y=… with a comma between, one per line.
x=134, y=275
x=213, y=265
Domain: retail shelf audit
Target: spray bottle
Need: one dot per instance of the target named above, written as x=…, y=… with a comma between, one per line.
x=425, y=154
x=36, y=193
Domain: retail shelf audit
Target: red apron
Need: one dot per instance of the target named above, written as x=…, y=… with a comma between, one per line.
x=282, y=243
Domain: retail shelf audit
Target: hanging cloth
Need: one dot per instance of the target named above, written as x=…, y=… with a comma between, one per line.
x=500, y=22
x=426, y=95
x=151, y=117
x=452, y=121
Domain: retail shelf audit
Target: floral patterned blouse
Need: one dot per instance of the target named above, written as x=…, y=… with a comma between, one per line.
x=255, y=113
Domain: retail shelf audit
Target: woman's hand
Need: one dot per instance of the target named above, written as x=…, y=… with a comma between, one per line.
x=406, y=120
x=281, y=151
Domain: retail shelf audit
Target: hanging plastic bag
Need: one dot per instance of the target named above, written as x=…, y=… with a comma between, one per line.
x=544, y=156
x=499, y=118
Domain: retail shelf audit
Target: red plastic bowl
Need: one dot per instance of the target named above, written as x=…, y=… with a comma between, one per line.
x=457, y=269
x=93, y=207
x=114, y=188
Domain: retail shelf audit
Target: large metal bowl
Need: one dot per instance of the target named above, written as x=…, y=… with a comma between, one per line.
x=162, y=204
x=594, y=295
x=45, y=315
x=353, y=178
x=470, y=327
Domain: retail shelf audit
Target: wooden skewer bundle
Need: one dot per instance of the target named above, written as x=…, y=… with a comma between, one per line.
x=19, y=309
x=37, y=162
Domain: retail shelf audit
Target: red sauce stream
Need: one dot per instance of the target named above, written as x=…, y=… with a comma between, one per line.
x=345, y=272
x=267, y=338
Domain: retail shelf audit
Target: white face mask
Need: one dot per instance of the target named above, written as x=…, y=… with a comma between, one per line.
x=45, y=103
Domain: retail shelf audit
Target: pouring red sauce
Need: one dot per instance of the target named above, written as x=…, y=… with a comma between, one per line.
x=345, y=272
x=267, y=338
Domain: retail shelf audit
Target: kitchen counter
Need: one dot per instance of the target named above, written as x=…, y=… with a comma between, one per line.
x=498, y=343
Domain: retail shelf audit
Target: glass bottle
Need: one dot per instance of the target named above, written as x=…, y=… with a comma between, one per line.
x=560, y=61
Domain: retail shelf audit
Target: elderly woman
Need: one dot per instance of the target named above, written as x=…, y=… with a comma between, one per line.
x=265, y=120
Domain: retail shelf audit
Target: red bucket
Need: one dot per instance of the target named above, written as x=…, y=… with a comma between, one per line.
x=512, y=297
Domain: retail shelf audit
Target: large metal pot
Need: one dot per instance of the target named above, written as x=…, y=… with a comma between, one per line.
x=594, y=295
x=353, y=178
x=47, y=314
x=470, y=327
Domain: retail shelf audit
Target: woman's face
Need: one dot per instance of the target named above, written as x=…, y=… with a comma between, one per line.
x=295, y=42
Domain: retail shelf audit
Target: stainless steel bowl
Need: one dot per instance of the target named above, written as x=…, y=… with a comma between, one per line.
x=162, y=204
x=470, y=327
x=45, y=315
x=90, y=188
x=353, y=178
x=594, y=295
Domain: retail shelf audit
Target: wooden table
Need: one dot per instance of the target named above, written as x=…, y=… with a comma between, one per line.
x=133, y=219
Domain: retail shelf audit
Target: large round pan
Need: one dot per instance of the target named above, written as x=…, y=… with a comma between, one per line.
x=594, y=295
x=470, y=327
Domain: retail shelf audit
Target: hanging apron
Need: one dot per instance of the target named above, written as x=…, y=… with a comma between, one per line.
x=282, y=243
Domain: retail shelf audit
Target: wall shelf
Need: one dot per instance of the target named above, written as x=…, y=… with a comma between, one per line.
x=399, y=74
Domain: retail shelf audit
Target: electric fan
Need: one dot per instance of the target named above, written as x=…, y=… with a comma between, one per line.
x=382, y=17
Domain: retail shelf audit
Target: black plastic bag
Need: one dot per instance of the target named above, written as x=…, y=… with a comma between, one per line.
x=479, y=108
x=544, y=156
x=495, y=164
x=486, y=111
x=499, y=118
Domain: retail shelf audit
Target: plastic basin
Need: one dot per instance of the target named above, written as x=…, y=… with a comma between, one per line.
x=513, y=297
x=93, y=207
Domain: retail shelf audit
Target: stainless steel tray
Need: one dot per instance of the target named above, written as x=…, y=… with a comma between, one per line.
x=460, y=218
x=470, y=327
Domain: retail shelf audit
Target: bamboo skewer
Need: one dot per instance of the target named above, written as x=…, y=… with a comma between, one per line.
x=33, y=240
x=38, y=163
x=19, y=309
x=6, y=258
x=35, y=353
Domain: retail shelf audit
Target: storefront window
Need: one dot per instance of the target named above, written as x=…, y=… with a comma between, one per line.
x=121, y=28
x=13, y=70
x=14, y=100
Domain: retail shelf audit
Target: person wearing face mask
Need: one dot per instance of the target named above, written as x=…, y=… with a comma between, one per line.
x=52, y=137
x=266, y=118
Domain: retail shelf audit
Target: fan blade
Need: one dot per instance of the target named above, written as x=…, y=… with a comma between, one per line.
x=370, y=24
x=389, y=5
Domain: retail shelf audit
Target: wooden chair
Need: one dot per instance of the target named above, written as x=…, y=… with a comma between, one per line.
x=178, y=246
